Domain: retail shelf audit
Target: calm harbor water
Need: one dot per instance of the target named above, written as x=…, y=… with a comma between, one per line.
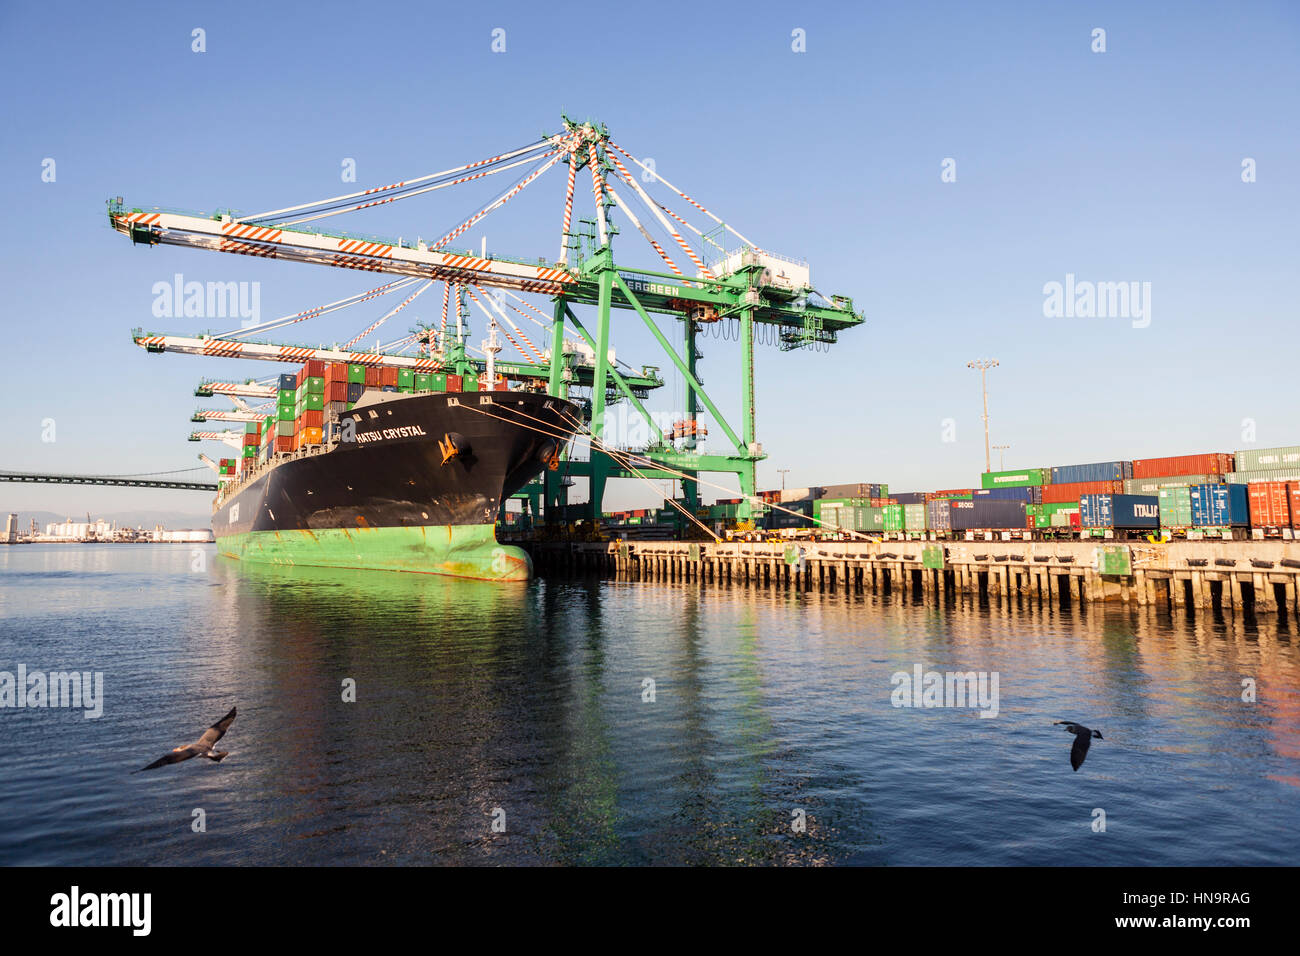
x=476, y=698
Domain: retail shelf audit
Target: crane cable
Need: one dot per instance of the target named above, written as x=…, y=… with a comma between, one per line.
x=319, y=310
x=655, y=174
x=554, y=155
x=492, y=162
x=384, y=318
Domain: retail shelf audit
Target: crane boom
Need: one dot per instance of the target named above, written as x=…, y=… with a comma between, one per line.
x=224, y=234
x=233, y=439
x=246, y=389
x=218, y=415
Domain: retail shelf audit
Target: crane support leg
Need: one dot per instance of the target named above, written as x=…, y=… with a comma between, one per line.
x=559, y=388
x=748, y=483
x=600, y=463
x=690, y=489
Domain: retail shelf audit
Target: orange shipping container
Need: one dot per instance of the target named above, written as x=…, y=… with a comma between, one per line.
x=284, y=443
x=1293, y=493
x=388, y=376
x=1217, y=463
x=455, y=383
x=1269, y=507
x=1070, y=491
x=311, y=436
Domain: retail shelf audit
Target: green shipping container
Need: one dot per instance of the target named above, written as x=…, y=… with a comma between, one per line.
x=405, y=377
x=1175, y=507
x=357, y=373
x=892, y=516
x=1045, y=516
x=423, y=382
x=287, y=396
x=872, y=519
x=284, y=429
x=470, y=384
x=438, y=382
x=250, y=451
x=1023, y=478
x=834, y=516
x=1261, y=459
x=314, y=402
x=315, y=385
x=250, y=428
x=285, y=413
x=914, y=517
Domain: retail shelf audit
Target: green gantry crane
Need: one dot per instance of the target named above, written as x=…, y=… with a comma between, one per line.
x=761, y=295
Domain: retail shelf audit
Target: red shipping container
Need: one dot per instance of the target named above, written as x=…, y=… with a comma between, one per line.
x=372, y=376
x=1269, y=507
x=1218, y=463
x=300, y=377
x=250, y=440
x=311, y=418
x=388, y=376
x=314, y=368
x=1293, y=493
x=952, y=493
x=1070, y=491
x=336, y=391
x=1076, y=518
x=336, y=372
x=455, y=383
x=284, y=443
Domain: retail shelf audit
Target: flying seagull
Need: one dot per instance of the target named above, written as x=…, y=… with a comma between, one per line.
x=1082, y=741
x=201, y=747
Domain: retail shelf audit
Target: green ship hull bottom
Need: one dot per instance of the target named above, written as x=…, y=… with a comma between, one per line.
x=462, y=551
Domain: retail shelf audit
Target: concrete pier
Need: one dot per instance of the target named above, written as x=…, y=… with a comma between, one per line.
x=1234, y=576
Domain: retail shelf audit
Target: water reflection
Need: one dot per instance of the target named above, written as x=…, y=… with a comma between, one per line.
x=475, y=699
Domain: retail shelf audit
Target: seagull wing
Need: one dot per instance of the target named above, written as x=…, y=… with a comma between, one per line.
x=1080, y=749
x=216, y=731
x=176, y=756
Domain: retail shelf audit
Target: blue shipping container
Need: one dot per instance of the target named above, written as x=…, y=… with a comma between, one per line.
x=1119, y=511
x=939, y=515
x=1099, y=471
x=987, y=514
x=1220, y=506
x=288, y=382
x=1032, y=495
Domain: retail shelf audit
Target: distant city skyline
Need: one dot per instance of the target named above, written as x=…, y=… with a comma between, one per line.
x=1110, y=215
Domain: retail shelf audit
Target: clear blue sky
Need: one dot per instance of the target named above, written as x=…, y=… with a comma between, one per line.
x=1115, y=166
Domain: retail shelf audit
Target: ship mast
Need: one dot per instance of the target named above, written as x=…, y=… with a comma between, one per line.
x=491, y=346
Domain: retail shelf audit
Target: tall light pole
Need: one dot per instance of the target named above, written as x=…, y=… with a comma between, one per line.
x=1002, y=456
x=783, y=472
x=984, y=365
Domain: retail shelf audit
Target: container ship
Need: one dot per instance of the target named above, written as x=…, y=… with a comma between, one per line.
x=355, y=472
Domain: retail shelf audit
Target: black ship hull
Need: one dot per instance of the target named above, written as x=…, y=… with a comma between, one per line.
x=414, y=484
